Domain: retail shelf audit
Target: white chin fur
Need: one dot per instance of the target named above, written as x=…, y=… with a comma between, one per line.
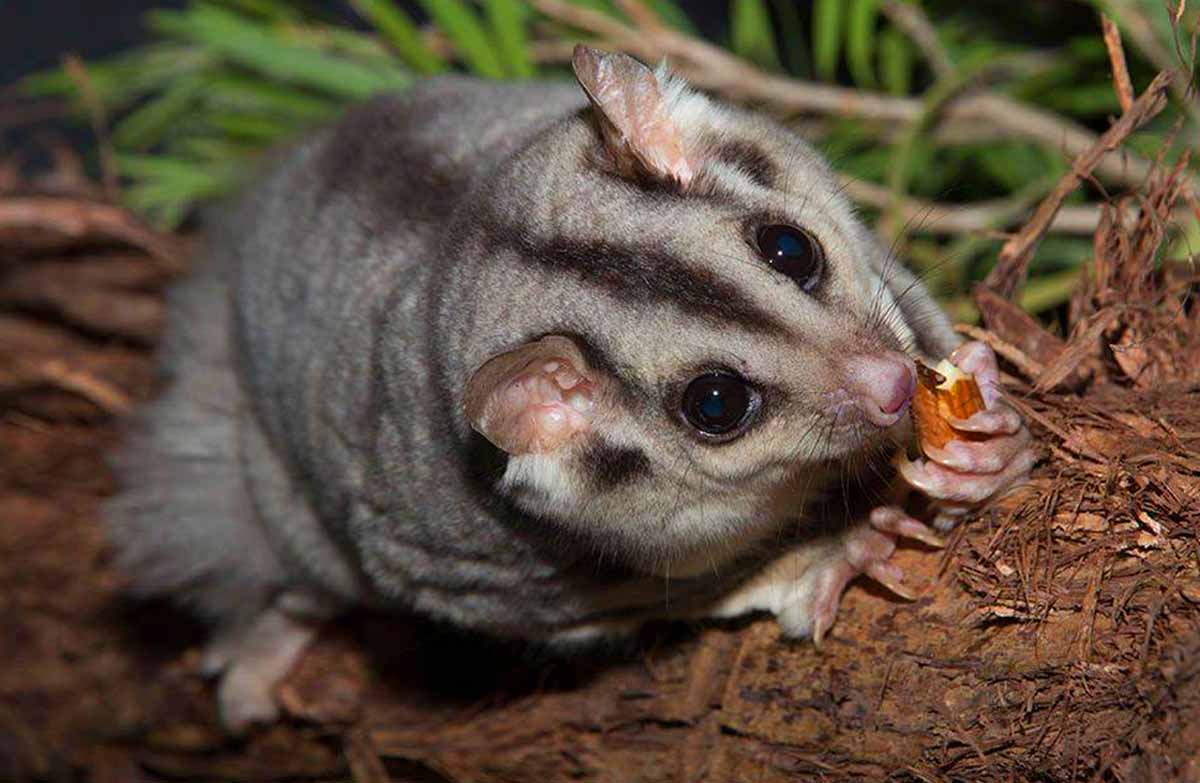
x=543, y=473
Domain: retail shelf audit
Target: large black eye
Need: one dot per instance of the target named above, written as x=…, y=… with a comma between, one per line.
x=793, y=252
x=717, y=403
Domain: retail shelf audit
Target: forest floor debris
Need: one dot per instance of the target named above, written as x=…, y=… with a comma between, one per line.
x=1058, y=639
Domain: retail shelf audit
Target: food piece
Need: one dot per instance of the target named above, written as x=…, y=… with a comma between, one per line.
x=944, y=393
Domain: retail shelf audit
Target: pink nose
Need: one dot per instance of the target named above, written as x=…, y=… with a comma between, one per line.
x=881, y=384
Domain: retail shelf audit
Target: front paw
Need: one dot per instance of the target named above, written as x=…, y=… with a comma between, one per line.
x=965, y=473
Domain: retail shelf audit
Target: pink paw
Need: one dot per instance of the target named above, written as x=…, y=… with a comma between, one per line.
x=966, y=473
x=866, y=549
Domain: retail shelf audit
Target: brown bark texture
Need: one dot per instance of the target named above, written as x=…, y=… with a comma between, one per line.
x=1057, y=639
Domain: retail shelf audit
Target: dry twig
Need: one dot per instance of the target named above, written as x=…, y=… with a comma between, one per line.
x=1139, y=27
x=914, y=22
x=946, y=219
x=64, y=221
x=113, y=296
x=363, y=757
x=78, y=74
x=711, y=68
x=1116, y=56
x=1009, y=273
x=55, y=372
x=1029, y=367
x=1078, y=348
x=1012, y=324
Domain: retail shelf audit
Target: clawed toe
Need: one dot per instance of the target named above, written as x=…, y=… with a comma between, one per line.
x=864, y=550
x=251, y=660
x=1000, y=419
x=827, y=596
x=982, y=457
x=245, y=699
x=890, y=576
x=978, y=359
x=890, y=519
x=943, y=483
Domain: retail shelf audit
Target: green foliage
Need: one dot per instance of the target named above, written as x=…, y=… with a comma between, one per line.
x=462, y=26
x=896, y=62
x=282, y=58
x=221, y=80
x=752, y=34
x=401, y=34
x=827, y=37
x=860, y=40
x=508, y=19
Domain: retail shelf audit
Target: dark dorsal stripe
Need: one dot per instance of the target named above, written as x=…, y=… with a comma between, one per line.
x=750, y=158
x=375, y=153
x=609, y=466
x=651, y=276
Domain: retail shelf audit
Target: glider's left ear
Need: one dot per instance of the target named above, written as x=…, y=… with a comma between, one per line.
x=634, y=121
x=534, y=398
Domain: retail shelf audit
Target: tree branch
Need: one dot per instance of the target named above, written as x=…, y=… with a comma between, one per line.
x=711, y=68
x=913, y=22
x=1116, y=57
x=1009, y=273
x=58, y=222
x=944, y=219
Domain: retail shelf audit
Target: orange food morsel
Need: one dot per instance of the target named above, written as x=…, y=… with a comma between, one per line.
x=943, y=393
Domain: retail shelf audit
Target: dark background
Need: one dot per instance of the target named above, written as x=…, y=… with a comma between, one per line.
x=35, y=34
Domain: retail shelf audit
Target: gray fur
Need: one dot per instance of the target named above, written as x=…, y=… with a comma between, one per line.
x=320, y=446
x=184, y=527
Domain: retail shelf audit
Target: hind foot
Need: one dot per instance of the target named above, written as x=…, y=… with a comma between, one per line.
x=253, y=658
x=867, y=550
x=803, y=589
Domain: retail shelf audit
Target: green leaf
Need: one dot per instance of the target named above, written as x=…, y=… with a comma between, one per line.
x=896, y=61
x=239, y=92
x=860, y=41
x=336, y=40
x=255, y=128
x=1059, y=254
x=827, y=37
x=253, y=46
x=165, y=189
x=463, y=28
x=1048, y=291
x=508, y=19
x=121, y=80
x=147, y=125
x=1084, y=99
x=182, y=173
x=1186, y=242
x=206, y=150
x=1015, y=164
x=751, y=34
x=401, y=33
x=271, y=10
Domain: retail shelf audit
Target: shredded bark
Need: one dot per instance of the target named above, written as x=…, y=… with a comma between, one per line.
x=1058, y=637
x=1009, y=273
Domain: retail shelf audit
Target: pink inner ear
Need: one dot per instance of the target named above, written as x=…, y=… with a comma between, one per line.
x=636, y=123
x=536, y=406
